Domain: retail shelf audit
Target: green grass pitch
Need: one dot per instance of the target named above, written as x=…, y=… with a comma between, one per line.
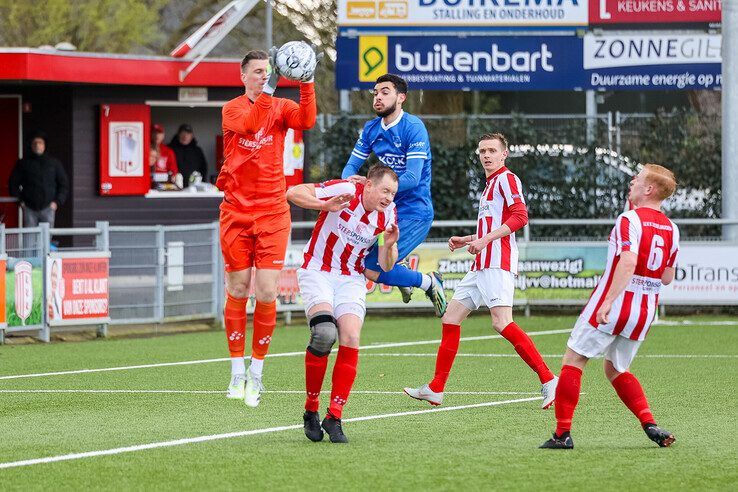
x=689, y=373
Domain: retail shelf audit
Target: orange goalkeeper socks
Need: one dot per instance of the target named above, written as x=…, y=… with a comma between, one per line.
x=234, y=315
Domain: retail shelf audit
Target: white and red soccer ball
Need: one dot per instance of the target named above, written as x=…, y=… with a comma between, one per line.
x=296, y=60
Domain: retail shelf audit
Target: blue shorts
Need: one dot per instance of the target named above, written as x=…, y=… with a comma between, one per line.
x=412, y=233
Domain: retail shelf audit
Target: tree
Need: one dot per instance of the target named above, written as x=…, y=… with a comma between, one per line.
x=118, y=26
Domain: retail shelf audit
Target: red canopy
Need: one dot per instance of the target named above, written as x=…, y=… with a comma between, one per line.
x=24, y=64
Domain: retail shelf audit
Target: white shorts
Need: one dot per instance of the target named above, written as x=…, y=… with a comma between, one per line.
x=591, y=342
x=346, y=293
x=491, y=287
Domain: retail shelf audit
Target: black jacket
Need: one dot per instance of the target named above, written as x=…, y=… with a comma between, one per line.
x=38, y=180
x=190, y=158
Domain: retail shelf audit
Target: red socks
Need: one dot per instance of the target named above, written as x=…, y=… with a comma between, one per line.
x=446, y=355
x=527, y=351
x=344, y=374
x=567, y=397
x=265, y=319
x=314, y=373
x=235, y=325
x=630, y=391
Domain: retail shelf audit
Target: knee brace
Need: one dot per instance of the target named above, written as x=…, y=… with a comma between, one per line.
x=323, y=333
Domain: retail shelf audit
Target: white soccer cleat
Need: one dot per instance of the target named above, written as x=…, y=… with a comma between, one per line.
x=424, y=393
x=548, y=390
x=252, y=392
x=237, y=388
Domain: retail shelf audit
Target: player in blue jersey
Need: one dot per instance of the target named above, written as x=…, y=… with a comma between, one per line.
x=400, y=141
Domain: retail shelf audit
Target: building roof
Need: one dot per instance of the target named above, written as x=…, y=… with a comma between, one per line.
x=49, y=65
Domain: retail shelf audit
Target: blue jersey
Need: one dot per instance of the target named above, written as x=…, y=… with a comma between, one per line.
x=402, y=145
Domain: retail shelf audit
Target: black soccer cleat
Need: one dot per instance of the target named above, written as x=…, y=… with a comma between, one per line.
x=564, y=441
x=660, y=436
x=333, y=427
x=312, y=426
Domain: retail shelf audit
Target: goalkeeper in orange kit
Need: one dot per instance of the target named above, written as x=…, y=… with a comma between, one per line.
x=254, y=215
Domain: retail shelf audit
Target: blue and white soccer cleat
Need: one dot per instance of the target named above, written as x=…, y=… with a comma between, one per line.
x=436, y=294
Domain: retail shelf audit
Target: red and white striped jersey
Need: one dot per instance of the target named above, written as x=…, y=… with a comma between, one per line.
x=502, y=191
x=655, y=239
x=341, y=239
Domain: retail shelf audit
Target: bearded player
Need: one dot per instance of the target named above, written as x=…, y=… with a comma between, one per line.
x=254, y=215
x=332, y=282
x=642, y=252
x=400, y=141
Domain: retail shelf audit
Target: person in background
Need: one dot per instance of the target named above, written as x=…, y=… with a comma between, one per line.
x=40, y=183
x=166, y=160
x=189, y=155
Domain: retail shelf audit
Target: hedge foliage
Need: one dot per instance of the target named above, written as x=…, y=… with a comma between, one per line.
x=587, y=181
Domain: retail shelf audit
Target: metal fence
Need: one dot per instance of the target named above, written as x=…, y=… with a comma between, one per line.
x=162, y=274
x=559, y=128
x=614, y=130
x=165, y=273
x=157, y=274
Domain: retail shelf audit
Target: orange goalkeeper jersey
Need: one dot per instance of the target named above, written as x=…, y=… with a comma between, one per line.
x=252, y=176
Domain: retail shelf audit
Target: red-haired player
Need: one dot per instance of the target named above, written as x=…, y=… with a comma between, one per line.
x=640, y=259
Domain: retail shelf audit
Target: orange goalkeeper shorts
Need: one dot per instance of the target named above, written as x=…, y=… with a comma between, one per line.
x=254, y=239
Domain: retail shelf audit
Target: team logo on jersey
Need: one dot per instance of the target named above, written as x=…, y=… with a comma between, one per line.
x=397, y=141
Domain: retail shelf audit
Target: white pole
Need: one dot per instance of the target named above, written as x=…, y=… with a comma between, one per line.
x=269, y=41
x=591, y=109
x=730, y=118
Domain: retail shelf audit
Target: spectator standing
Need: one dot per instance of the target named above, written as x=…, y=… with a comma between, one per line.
x=40, y=183
x=166, y=161
x=189, y=155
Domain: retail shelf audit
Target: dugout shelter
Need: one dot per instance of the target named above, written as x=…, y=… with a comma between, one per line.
x=86, y=103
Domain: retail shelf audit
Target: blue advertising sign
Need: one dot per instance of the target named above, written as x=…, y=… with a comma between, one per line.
x=650, y=61
x=511, y=63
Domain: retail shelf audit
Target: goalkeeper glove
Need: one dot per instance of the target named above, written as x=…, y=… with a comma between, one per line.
x=318, y=57
x=271, y=84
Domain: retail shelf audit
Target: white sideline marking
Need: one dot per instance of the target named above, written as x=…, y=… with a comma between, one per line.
x=229, y=435
x=688, y=322
x=283, y=354
x=643, y=356
x=222, y=392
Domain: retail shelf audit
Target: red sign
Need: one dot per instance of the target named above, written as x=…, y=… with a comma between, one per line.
x=124, y=149
x=77, y=289
x=655, y=11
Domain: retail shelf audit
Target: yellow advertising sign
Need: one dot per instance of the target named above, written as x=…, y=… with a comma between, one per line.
x=361, y=10
x=393, y=10
x=373, y=54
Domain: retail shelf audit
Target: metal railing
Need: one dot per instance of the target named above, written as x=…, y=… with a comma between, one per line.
x=160, y=274
x=157, y=274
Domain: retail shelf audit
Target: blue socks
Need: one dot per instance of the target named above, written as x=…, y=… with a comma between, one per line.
x=401, y=276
